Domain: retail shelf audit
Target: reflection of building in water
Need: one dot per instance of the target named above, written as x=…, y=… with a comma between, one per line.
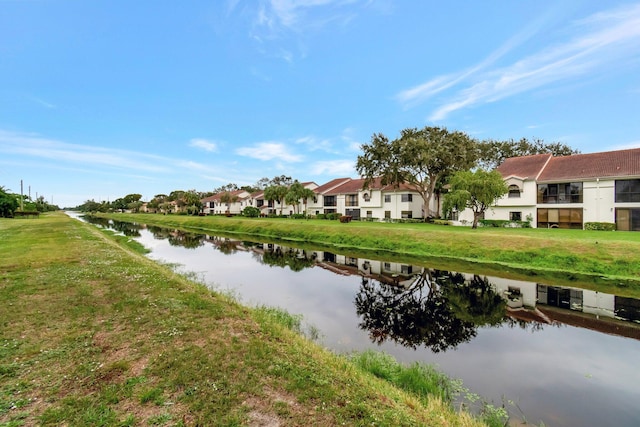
x=526, y=301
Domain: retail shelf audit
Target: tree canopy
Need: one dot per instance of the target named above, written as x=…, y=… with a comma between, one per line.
x=492, y=152
x=8, y=203
x=418, y=159
x=297, y=192
x=276, y=193
x=477, y=190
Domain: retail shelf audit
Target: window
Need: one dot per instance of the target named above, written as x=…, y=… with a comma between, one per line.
x=406, y=214
x=407, y=198
x=330, y=201
x=628, y=190
x=515, y=216
x=366, y=197
x=560, y=218
x=327, y=211
x=387, y=266
x=454, y=215
x=387, y=198
x=514, y=191
x=259, y=203
x=369, y=214
x=560, y=193
x=351, y=200
x=387, y=214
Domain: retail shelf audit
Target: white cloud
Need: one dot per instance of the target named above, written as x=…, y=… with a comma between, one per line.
x=269, y=151
x=602, y=42
x=204, y=144
x=279, y=26
x=334, y=168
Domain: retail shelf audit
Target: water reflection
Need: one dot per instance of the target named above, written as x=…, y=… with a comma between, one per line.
x=438, y=309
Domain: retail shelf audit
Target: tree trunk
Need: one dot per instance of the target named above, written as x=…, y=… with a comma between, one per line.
x=476, y=216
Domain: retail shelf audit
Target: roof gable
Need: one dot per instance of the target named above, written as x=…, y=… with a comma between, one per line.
x=525, y=167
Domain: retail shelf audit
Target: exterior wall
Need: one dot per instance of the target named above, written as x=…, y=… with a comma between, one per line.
x=598, y=203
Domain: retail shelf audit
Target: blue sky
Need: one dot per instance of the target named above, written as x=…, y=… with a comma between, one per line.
x=99, y=99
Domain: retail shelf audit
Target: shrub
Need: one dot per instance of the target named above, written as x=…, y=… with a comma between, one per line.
x=333, y=216
x=442, y=222
x=251, y=212
x=600, y=226
x=321, y=216
x=298, y=216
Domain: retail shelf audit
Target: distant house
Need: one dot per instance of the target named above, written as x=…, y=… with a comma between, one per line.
x=214, y=205
x=569, y=191
x=347, y=196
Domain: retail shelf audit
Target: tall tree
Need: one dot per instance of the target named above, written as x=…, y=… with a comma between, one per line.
x=297, y=192
x=477, y=190
x=276, y=193
x=191, y=199
x=418, y=159
x=492, y=152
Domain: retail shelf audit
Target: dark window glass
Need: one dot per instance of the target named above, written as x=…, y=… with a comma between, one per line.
x=407, y=198
x=515, y=216
x=387, y=198
x=628, y=191
x=330, y=200
x=570, y=192
x=514, y=191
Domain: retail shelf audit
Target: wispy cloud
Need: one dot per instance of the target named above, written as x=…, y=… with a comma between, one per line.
x=276, y=23
x=334, y=168
x=82, y=156
x=269, y=151
x=601, y=42
x=43, y=103
x=204, y=144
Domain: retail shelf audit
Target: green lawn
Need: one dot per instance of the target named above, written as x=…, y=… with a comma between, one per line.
x=94, y=334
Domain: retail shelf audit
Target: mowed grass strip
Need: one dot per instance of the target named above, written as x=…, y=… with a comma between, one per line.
x=611, y=254
x=94, y=334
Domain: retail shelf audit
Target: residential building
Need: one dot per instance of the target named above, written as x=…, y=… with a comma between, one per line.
x=214, y=205
x=348, y=196
x=569, y=191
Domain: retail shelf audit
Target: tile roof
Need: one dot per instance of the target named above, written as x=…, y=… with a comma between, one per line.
x=331, y=184
x=526, y=167
x=354, y=185
x=242, y=194
x=608, y=164
x=546, y=168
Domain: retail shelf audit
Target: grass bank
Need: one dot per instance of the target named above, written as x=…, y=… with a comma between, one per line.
x=563, y=254
x=94, y=334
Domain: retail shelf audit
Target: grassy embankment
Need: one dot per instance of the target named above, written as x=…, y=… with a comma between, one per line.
x=93, y=333
x=563, y=256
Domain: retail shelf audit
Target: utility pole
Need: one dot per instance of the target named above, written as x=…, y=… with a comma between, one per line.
x=21, y=197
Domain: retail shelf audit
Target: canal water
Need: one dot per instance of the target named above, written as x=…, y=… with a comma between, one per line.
x=552, y=355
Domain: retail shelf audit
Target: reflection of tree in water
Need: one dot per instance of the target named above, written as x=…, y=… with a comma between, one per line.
x=186, y=240
x=177, y=237
x=438, y=309
x=129, y=229
x=295, y=259
x=224, y=244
